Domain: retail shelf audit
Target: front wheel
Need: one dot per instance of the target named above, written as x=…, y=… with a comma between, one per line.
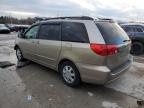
x=70, y=74
x=19, y=54
x=137, y=48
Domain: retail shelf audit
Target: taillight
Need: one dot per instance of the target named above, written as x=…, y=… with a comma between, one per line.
x=104, y=50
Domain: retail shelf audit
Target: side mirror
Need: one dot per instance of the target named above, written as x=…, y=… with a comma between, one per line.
x=21, y=35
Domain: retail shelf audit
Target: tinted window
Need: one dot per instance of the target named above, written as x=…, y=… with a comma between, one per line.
x=138, y=30
x=142, y=28
x=50, y=32
x=112, y=33
x=32, y=32
x=128, y=29
x=74, y=32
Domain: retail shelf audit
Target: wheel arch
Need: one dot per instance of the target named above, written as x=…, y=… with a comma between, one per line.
x=66, y=59
x=137, y=40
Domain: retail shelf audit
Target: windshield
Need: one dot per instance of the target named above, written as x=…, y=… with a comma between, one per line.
x=112, y=33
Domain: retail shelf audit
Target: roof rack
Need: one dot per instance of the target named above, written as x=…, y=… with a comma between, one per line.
x=73, y=17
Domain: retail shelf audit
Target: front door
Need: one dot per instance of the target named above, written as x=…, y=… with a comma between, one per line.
x=49, y=46
x=28, y=44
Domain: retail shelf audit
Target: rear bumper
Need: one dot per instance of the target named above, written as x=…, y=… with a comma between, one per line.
x=119, y=71
x=102, y=74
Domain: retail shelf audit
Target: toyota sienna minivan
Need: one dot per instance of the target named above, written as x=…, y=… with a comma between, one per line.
x=80, y=48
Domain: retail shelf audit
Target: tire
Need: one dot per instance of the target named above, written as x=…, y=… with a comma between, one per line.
x=70, y=74
x=137, y=48
x=19, y=54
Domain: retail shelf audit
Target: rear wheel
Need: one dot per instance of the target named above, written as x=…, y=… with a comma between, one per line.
x=137, y=48
x=70, y=74
x=19, y=54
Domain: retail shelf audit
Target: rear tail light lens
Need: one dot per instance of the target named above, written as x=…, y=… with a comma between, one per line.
x=104, y=50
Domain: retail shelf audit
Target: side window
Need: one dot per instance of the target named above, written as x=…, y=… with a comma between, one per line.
x=138, y=30
x=31, y=34
x=50, y=32
x=74, y=32
x=128, y=29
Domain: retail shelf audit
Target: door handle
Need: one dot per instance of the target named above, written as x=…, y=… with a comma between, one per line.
x=35, y=42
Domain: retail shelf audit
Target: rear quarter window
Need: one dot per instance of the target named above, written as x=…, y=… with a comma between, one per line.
x=112, y=33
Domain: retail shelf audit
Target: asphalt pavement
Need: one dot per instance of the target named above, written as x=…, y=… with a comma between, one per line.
x=35, y=86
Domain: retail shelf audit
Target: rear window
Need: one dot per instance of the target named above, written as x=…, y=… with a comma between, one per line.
x=112, y=33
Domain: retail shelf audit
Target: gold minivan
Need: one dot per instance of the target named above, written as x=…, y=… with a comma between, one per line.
x=80, y=48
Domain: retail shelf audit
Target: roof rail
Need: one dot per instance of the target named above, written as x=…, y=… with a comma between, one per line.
x=73, y=17
x=104, y=20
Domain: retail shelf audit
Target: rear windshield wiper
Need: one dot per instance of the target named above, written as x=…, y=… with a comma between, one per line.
x=126, y=40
